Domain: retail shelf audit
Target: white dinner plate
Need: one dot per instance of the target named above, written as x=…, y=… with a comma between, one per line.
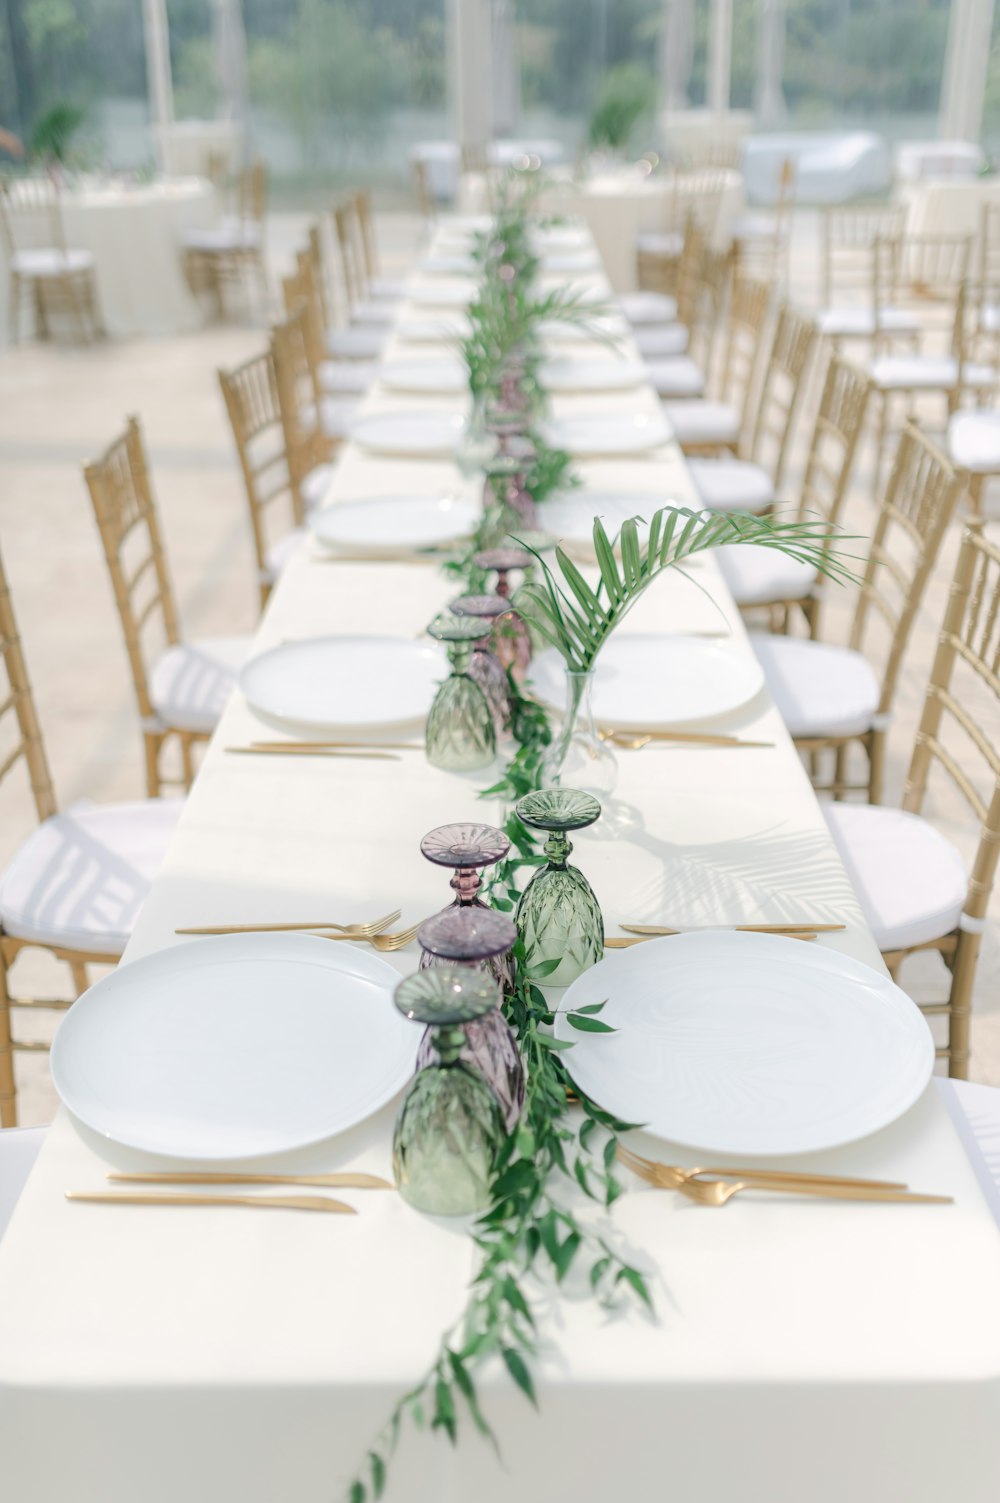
x=559, y=237
x=344, y=683
x=394, y=526
x=608, y=374
x=595, y=433
x=233, y=1047
x=736, y=1044
x=430, y=296
x=602, y=327
x=451, y=265
x=657, y=681
x=422, y=435
x=433, y=377
x=570, y=260
x=443, y=330
x=570, y=515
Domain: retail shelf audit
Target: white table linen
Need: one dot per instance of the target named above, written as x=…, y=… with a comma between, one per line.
x=801, y=1350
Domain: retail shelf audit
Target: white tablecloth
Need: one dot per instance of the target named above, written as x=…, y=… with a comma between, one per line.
x=135, y=235
x=803, y=1352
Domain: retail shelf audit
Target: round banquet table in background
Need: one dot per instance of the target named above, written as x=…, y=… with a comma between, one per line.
x=135, y=235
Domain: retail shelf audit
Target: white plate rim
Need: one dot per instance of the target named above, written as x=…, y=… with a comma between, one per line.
x=455, y=423
x=389, y=548
x=291, y=722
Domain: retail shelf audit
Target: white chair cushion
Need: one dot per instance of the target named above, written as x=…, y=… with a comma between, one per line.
x=337, y=414
x=351, y=376
x=974, y=442
x=757, y=575
x=81, y=877
x=231, y=235
x=19, y=1148
x=927, y=373
x=373, y=313
x=910, y=881
x=392, y=289
x=648, y=307
x=859, y=323
x=281, y=552
x=666, y=243
x=703, y=424
x=661, y=339
x=356, y=344
x=819, y=690
x=51, y=262
x=191, y=683
x=732, y=484
x=315, y=486
x=676, y=376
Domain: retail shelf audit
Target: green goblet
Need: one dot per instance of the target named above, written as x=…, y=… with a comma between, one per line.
x=558, y=917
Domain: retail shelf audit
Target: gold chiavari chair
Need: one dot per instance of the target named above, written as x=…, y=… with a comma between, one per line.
x=751, y=480
x=761, y=242
x=41, y=266
x=334, y=383
x=703, y=426
x=74, y=887
x=181, y=687
x=362, y=309
x=973, y=438
x=695, y=268
x=693, y=196
x=355, y=348
x=850, y=303
x=916, y=889
x=701, y=292
x=764, y=578
x=378, y=286
x=250, y=393
x=830, y=697
x=307, y=448
x=232, y=252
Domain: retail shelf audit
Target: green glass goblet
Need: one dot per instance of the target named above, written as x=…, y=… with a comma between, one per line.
x=449, y=1129
x=461, y=733
x=558, y=917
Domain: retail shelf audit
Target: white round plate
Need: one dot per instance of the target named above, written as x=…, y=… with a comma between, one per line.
x=570, y=515
x=430, y=296
x=394, y=525
x=592, y=375
x=657, y=682
x=423, y=435
x=570, y=260
x=602, y=327
x=445, y=378
x=235, y=1047
x=344, y=683
x=443, y=330
x=596, y=434
x=746, y=1044
x=559, y=237
x=455, y=265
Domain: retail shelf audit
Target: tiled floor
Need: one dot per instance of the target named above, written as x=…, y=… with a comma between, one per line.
x=60, y=405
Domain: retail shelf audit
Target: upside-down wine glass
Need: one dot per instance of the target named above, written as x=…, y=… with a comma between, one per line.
x=461, y=734
x=504, y=493
x=474, y=939
x=511, y=638
x=450, y=1126
x=558, y=917
x=484, y=666
x=468, y=849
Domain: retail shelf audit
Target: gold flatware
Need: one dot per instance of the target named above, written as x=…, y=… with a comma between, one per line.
x=307, y=751
x=655, y=929
x=635, y=741
x=340, y=1181
x=717, y=1192
x=337, y=745
x=258, y=1202
x=386, y=943
x=355, y=931
x=651, y=1167
x=640, y=939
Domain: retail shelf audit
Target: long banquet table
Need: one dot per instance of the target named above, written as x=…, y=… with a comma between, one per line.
x=803, y=1352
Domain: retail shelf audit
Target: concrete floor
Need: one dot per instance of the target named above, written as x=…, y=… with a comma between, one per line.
x=60, y=405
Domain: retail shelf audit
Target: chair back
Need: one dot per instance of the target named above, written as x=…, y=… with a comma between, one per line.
x=919, y=270
x=957, y=728
x=126, y=516
x=975, y=342
x=251, y=396
x=365, y=219
x=782, y=389
x=920, y=498
x=298, y=401
x=696, y=195
x=840, y=421
x=349, y=246
x=31, y=214
x=299, y=290
x=849, y=236
x=20, y=733
x=745, y=347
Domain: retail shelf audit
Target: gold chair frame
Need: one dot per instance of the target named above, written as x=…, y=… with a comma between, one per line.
x=919, y=501
x=351, y=255
x=250, y=392
x=848, y=258
x=30, y=747
x=782, y=389
x=212, y=269
x=744, y=347
x=306, y=445
x=969, y=638
x=38, y=199
x=122, y=497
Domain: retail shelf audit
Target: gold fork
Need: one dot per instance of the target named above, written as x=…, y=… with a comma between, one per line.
x=355, y=931
x=717, y=1192
x=387, y=942
x=344, y=1180
x=258, y=1202
x=651, y=1167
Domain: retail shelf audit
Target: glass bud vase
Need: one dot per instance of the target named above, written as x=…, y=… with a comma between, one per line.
x=576, y=756
x=450, y=1127
x=558, y=917
x=461, y=734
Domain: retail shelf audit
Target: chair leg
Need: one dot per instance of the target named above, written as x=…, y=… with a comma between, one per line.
x=92, y=306
x=41, y=316
x=977, y=484
x=8, y=1089
x=78, y=970
x=876, y=766
x=187, y=759
x=73, y=293
x=963, y=977
x=15, y=308
x=840, y=771
x=153, y=743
